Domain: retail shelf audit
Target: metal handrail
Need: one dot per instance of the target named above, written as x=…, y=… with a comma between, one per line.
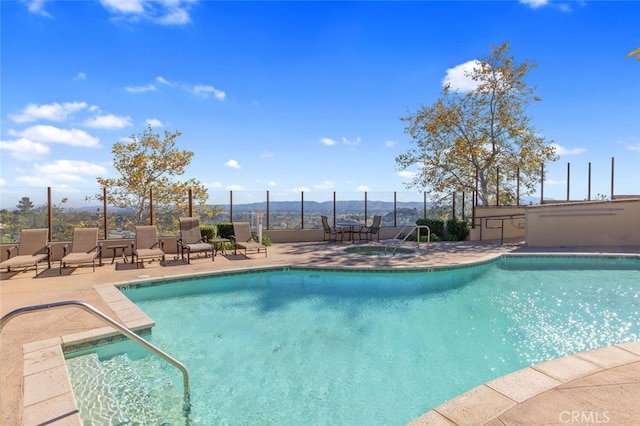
x=502, y=219
x=413, y=228
x=124, y=330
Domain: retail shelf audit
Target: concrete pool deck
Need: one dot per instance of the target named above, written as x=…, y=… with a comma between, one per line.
x=599, y=386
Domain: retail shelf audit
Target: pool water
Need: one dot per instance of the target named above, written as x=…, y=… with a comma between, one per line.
x=303, y=346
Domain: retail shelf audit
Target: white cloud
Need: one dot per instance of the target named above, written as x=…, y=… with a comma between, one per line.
x=175, y=16
x=140, y=89
x=162, y=80
x=37, y=7
x=201, y=90
x=60, y=172
x=24, y=149
x=300, y=189
x=327, y=141
x=362, y=188
x=407, y=174
x=3, y=182
x=51, y=134
x=390, y=144
x=327, y=184
x=215, y=185
x=124, y=6
x=34, y=181
x=108, y=121
x=346, y=141
x=535, y=3
x=273, y=183
x=154, y=122
x=561, y=150
x=69, y=169
x=235, y=187
x=633, y=147
x=163, y=12
x=267, y=154
x=553, y=182
x=52, y=112
x=457, y=77
x=205, y=91
x=233, y=164
x=81, y=76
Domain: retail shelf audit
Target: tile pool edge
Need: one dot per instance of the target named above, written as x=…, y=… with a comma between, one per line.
x=486, y=402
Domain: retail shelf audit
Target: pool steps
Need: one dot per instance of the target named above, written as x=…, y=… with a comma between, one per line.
x=116, y=391
x=94, y=395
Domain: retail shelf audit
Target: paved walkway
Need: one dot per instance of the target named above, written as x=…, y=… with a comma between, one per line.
x=601, y=386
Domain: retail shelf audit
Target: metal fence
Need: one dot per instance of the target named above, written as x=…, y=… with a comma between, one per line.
x=62, y=209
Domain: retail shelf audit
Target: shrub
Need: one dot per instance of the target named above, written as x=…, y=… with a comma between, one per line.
x=435, y=225
x=457, y=230
x=208, y=231
x=225, y=230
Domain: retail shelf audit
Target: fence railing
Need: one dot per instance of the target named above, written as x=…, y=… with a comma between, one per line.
x=62, y=209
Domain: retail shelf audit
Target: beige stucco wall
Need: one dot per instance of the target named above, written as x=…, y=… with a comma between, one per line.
x=487, y=229
x=593, y=223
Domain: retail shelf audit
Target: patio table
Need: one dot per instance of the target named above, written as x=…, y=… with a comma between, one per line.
x=351, y=225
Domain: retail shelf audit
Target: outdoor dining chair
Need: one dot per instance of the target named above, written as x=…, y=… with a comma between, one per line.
x=373, y=229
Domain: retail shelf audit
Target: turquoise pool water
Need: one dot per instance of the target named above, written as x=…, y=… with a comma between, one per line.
x=307, y=346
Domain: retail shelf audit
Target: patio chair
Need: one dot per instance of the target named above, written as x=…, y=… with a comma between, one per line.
x=147, y=245
x=32, y=249
x=191, y=239
x=84, y=249
x=370, y=231
x=331, y=231
x=243, y=239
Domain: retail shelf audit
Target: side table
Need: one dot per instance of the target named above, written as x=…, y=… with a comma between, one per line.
x=114, y=250
x=218, y=244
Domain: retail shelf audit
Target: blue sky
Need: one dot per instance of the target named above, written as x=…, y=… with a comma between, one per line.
x=301, y=96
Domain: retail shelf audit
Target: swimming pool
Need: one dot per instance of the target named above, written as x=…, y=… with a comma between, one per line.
x=300, y=346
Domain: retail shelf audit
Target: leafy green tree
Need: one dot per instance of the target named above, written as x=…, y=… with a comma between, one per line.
x=484, y=132
x=24, y=205
x=148, y=163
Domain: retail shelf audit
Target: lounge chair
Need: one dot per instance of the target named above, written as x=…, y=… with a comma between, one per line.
x=32, y=249
x=84, y=248
x=370, y=231
x=243, y=239
x=191, y=239
x=147, y=245
x=331, y=231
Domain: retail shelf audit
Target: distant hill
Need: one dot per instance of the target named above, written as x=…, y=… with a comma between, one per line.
x=325, y=206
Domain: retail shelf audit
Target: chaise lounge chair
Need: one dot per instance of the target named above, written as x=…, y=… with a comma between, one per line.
x=331, y=231
x=32, y=249
x=147, y=245
x=243, y=239
x=370, y=231
x=84, y=248
x=191, y=239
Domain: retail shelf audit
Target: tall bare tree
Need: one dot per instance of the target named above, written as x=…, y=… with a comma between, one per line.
x=483, y=133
